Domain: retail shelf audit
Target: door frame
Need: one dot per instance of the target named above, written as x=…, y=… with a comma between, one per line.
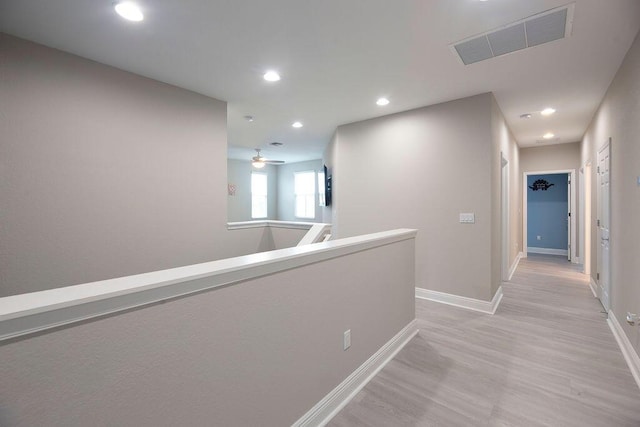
x=606, y=302
x=572, y=204
x=584, y=218
x=504, y=196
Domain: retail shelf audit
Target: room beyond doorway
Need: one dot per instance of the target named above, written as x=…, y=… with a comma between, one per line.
x=549, y=203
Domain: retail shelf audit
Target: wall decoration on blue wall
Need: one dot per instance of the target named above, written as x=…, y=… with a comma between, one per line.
x=541, y=184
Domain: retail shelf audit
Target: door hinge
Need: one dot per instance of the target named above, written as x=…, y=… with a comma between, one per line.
x=597, y=276
x=598, y=223
x=598, y=169
x=569, y=213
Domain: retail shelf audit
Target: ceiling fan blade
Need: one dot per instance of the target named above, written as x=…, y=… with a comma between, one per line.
x=273, y=162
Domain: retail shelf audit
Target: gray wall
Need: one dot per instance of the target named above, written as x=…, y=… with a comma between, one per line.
x=420, y=169
x=258, y=353
x=286, y=197
x=239, y=206
x=103, y=173
x=619, y=118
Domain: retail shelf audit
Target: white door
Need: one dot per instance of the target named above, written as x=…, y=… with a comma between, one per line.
x=569, y=217
x=604, y=201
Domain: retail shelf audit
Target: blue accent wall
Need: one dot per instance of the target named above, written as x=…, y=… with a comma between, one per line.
x=547, y=212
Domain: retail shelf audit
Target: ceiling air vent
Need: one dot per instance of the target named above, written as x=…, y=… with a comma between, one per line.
x=535, y=30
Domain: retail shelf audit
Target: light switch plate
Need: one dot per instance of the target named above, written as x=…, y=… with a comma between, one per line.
x=467, y=218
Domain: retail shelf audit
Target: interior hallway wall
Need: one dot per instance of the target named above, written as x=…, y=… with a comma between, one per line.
x=421, y=169
x=104, y=173
x=618, y=118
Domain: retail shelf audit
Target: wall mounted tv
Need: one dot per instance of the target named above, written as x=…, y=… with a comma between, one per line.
x=327, y=187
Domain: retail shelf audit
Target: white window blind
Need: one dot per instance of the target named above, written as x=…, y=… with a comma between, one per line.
x=305, y=194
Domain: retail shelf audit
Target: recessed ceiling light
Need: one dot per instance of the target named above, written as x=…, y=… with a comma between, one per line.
x=548, y=135
x=248, y=118
x=525, y=116
x=276, y=144
x=382, y=101
x=297, y=125
x=547, y=111
x=129, y=10
x=271, y=76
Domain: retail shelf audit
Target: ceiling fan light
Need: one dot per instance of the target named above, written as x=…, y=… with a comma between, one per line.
x=129, y=11
x=257, y=164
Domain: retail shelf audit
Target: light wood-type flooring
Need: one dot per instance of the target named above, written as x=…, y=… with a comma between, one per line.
x=546, y=358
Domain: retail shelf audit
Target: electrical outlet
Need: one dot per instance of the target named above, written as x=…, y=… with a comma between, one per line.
x=346, y=343
x=468, y=218
x=539, y=237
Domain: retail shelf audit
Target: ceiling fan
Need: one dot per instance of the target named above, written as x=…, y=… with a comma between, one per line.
x=258, y=161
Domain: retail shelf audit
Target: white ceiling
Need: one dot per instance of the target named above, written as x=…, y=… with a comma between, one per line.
x=336, y=57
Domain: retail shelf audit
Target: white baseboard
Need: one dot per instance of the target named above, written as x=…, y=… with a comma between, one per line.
x=593, y=287
x=629, y=353
x=488, y=307
x=338, y=398
x=514, y=266
x=547, y=251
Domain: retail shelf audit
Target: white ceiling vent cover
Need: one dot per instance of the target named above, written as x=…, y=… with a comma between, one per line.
x=535, y=30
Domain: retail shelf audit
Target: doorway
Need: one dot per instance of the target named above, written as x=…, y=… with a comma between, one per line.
x=584, y=218
x=603, y=276
x=504, y=183
x=550, y=242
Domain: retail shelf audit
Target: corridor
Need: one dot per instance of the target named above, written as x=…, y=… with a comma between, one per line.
x=546, y=358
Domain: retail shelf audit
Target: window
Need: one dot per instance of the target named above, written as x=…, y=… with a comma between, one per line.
x=321, y=199
x=305, y=194
x=258, y=195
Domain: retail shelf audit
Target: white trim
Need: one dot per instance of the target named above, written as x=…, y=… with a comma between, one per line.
x=340, y=396
x=573, y=224
x=488, y=307
x=300, y=225
x=629, y=353
x=547, y=251
x=593, y=286
x=317, y=233
x=36, y=311
x=514, y=266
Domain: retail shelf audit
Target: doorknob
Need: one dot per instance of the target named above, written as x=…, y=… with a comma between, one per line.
x=632, y=318
x=604, y=238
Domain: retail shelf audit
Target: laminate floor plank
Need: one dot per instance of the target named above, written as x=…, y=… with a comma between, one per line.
x=546, y=358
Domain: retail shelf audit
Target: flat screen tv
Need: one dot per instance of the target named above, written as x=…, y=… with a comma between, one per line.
x=327, y=187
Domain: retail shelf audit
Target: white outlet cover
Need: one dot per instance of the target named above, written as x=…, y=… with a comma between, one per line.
x=467, y=218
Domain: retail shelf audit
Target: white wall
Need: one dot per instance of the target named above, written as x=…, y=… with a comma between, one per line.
x=239, y=205
x=618, y=118
x=286, y=197
x=260, y=352
x=421, y=169
x=103, y=173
